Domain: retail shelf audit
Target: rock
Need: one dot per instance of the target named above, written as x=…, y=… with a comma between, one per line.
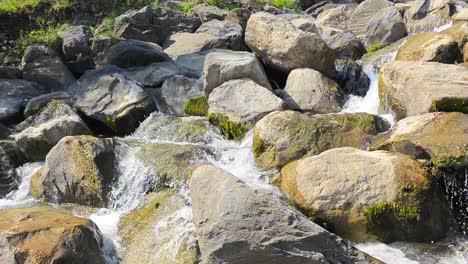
x=42, y=131
x=284, y=47
x=465, y=54
x=100, y=44
x=116, y=102
x=41, y=234
x=37, y=103
x=49, y=72
x=305, y=23
x=171, y=164
x=177, y=129
x=228, y=32
x=209, y=12
x=225, y=65
x=4, y=132
x=142, y=32
x=77, y=170
x=282, y=137
x=194, y=62
x=187, y=43
x=351, y=77
x=239, y=16
x=259, y=228
x=253, y=5
x=171, y=21
x=346, y=45
x=459, y=32
x=76, y=42
x=143, y=16
x=461, y=15
x=414, y=88
x=361, y=17
x=425, y=15
x=36, y=51
x=236, y=105
x=363, y=201
x=10, y=158
x=309, y=90
x=429, y=46
x=151, y=215
x=7, y=72
x=178, y=90
x=337, y=17
x=381, y=56
x=155, y=74
x=130, y=53
x=14, y=94
x=385, y=27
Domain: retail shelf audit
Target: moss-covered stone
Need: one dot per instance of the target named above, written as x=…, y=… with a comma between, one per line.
x=230, y=129
x=376, y=48
x=196, y=106
x=450, y=105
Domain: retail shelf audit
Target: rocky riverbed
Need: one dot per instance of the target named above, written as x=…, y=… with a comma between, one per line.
x=234, y=132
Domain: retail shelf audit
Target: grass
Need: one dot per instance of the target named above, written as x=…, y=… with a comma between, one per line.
x=291, y=4
x=11, y=6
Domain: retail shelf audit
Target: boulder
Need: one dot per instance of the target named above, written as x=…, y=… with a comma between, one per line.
x=260, y=226
x=36, y=51
x=282, y=137
x=171, y=21
x=76, y=42
x=170, y=164
x=142, y=32
x=230, y=33
x=239, y=16
x=336, y=17
x=465, y=54
x=115, y=101
x=177, y=129
x=459, y=32
x=363, y=14
x=10, y=158
x=77, y=170
x=42, y=131
x=8, y=72
x=284, y=47
x=177, y=91
x=414, y=88
x=194, y=61
x=50, y=72
x=236, y=105
x=461, y=15
x=304, y=23
x=42, y=234
x=14, y=94
x=186, y=43
x=363, y=196
x=130, y=53
x=351, y=77
x=37, y=103
x=425, y=15
x=346, y=45
x=309, y=90
x=157, y=213
x=155, y=74
x=143, y=16
x=385, y=27
x=225, y=65
x=429, y=46
x=208, y=12
x=4, y=132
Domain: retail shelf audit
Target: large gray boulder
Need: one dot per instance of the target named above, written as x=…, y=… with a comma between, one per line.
x=284, y=47
x=259, y=228
x=429, y=46
x=50, y=72
x=135, y=16
x=10, y=158
x=410, y=88
x=346, y=45
x=236, y=105
x=42, y=131
x=362, y=199
x=229, y=32
x=309, y=90
x=282, y=137
x=130, y=53
x=177, y=91
x=351, y=77
x=76, y=42
x=425, y=15
x=225, y=65
x=336, y=17
x=209, y=12
x=171, y=21
x=187, y=43
x=37, y=103
x=77, y=170
x=385, y=27
x=239, y=16
x=362, y=16
x=115, y=101
x=142, y=32
x=155, y=74
x=14, y=94
x=37, y=51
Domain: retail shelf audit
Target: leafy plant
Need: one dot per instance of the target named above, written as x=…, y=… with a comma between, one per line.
x=291, y=4
x=9, y=6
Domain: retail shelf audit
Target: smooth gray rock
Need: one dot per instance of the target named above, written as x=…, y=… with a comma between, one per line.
x=239, y=16
x=346, y=45
x=142, y=32
x=231, y=33
x=50, y=72
x=188, y=43
x=177, y=90
x=36, y=51
x=236, y=223
x=76, y=42
x=385, y=28
x=10, y=158
x=42, y=131
x=208, y=12
x=361, y=17
x=143, y=16
x=335, y=17
x=155, y=74
x=37, y=103
x=171, y=21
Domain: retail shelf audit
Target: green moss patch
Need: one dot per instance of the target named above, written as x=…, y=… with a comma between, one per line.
x=196, y=106
x=450, y=105
x=376, y=48
x=231, y=130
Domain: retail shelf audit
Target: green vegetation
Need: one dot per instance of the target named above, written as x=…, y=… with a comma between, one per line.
x=291, y=4
x=231, y=130
x=10, y=6
x=187, y=7
x=376, y=48
x=222, y=4
x=450, y=105
x=196, y=106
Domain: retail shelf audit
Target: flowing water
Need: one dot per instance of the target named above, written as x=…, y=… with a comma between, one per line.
x=134, y=181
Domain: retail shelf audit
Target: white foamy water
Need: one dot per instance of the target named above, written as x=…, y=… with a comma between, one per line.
x=21, y=197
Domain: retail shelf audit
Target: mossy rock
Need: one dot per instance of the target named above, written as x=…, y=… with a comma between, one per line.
x=157, y=213
x=230, y=129
x=196, y=106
